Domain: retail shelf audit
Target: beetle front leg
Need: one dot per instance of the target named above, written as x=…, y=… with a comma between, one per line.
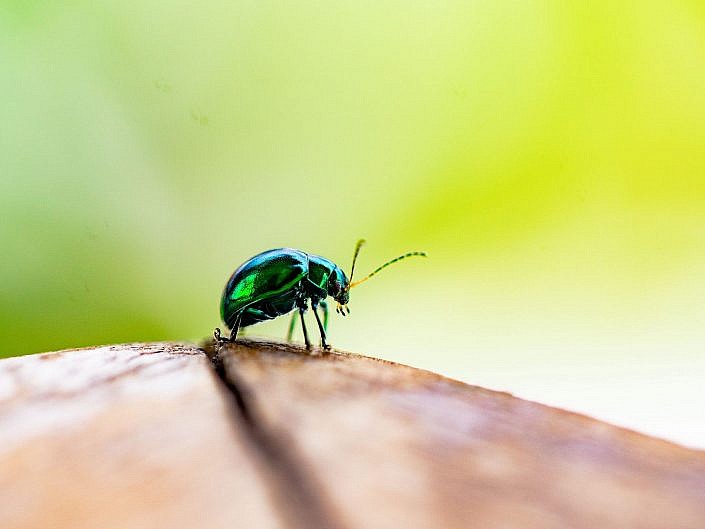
x=321, y=328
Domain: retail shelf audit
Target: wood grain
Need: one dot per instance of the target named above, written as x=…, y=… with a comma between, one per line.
x=150, y=435
x=134, y=436
x=392, y=446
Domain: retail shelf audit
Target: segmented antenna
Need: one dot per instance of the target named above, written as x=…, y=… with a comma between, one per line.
x=358, y=245
x=385, y=265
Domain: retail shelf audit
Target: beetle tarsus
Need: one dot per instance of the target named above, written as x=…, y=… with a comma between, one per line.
x=218, y=337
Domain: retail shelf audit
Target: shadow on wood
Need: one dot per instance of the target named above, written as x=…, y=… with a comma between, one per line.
x=150, y=435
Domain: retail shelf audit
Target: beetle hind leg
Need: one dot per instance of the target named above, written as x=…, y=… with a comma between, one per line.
x=235, y=328
x=218, y=337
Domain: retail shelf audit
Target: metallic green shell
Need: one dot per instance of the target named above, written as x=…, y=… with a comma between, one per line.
x=268, y=275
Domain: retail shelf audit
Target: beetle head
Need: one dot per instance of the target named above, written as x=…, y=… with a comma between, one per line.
x=342, y=284
x=339, y=287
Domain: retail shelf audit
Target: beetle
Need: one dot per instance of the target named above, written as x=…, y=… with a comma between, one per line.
x=283, y=280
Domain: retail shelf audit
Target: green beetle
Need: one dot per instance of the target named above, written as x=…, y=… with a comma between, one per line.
x=276, y=282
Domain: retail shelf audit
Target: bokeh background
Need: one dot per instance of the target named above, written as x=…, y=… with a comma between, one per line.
x=549, y=156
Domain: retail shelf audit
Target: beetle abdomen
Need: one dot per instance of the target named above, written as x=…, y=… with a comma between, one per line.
x=269, y=309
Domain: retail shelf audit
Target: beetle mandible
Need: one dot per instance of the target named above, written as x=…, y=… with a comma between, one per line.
x=276, y=282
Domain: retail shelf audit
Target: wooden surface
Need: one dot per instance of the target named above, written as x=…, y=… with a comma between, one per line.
x=150, y=435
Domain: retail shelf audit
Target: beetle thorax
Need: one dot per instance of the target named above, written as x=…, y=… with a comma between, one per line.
x=328, y=277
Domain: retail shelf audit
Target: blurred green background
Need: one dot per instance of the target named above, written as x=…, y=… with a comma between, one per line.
x=549, y=156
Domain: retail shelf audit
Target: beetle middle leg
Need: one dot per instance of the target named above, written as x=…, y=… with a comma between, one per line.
x=321, y=328
x=303, y=326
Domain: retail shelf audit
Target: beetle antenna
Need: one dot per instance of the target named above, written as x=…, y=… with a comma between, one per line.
x=385, y=265
x=358, y=245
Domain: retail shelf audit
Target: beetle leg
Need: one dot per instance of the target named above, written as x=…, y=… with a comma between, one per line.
x=324, y=344
x=235, y=328
x=324, y=306
x=303, y=326
x=291, y=327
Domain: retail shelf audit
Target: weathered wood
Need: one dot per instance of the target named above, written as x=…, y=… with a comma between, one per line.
x=391, y=446
x=134, y=436
x=149, y=435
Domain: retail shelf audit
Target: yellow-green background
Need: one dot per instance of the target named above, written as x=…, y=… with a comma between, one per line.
x=550, y=157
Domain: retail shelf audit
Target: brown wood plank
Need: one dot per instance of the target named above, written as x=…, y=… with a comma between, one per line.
x=134, y=436
x=146, y=435
x=389, y=446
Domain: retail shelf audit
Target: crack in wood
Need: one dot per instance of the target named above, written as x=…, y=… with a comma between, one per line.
x=300, y=501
